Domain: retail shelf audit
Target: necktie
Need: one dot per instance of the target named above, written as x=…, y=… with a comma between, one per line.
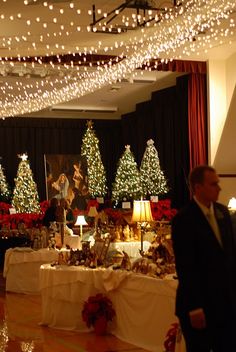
x=212, y=221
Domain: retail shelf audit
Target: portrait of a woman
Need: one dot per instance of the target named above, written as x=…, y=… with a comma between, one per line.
x=61, y=185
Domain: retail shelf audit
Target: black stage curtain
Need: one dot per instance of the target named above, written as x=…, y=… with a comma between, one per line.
x=54, y=136
x=164, y=119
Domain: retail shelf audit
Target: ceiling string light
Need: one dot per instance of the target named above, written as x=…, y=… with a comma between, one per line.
x=191, y=27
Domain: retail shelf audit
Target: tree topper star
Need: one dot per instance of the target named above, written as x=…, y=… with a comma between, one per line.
x=90, y=124
x=23, y=156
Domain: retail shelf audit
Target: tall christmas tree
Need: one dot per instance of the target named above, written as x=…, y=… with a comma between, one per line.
x=5, y=193
x=127, y=185
x=25, y=194
x=152, y=177
x=96, y=171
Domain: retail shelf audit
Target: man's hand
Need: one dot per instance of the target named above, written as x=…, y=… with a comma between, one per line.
x=197, y=318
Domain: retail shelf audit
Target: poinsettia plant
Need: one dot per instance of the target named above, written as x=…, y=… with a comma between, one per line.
x=162, y=210
x=4, y=208
x=12, y=221
x=95, y=307
x=170, y=340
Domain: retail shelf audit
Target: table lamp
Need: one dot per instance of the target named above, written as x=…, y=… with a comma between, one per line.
x=81, y=221
x=93, y=213
x=232, y=204
x=142, y=214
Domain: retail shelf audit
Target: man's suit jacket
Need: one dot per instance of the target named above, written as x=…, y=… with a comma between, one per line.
x=206, y=270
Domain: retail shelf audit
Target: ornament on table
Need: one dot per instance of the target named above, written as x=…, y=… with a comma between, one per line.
x=51, y=242
x=62, y=260
x=45, y=237
x=37, y=239
x=112, y=233
x=126, y=233
x=98, y=234
x=137, y=233
x=67, y=231
x=126, y=263
x=53, y=228
x=22, y=228
x=117, y=234
x=132, y=236
x=117, y=259
x=121, y=235
x=94, y=262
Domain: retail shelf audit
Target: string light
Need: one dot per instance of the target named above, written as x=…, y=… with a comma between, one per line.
x=187, y=29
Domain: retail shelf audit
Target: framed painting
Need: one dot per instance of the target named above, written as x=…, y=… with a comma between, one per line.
x=66, y=177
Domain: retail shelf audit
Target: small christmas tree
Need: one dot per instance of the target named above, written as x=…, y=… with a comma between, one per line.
x=127, y=185
x=25, y=194
x=5, y=193
x=96, y=172
x=152, y=177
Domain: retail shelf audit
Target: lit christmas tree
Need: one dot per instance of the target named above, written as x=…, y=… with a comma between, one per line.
x=96, y=172
x=127, y=185
x=152, y=177
x=5, y=193
x=25, y=194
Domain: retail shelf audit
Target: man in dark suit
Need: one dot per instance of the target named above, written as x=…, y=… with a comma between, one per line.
x=205, y=255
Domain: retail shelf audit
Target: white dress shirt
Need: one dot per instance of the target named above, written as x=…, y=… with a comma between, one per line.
x=210, y=216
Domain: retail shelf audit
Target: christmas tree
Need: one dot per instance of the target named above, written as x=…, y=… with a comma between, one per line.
x=96, y=172
x=5, y=193
x=25, y=194
x=152, y=177
x=127, y=185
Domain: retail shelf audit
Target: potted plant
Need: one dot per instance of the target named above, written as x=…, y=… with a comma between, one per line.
x=97, y=311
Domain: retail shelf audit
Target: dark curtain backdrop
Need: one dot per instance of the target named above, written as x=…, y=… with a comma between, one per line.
x=164, y=119
x=54, y=136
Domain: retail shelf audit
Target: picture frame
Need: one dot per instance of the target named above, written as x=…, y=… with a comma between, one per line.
x=66, y=177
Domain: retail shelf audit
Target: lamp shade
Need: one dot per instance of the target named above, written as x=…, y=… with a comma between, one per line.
x=92, y=212
x=142, y=211
x=80, y=220
x=232, y=204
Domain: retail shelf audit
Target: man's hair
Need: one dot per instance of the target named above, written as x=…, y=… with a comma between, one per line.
x=196, y=176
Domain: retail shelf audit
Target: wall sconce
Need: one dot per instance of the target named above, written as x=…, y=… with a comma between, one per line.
x=81, y=221
x=142, y=214
x=232, y=204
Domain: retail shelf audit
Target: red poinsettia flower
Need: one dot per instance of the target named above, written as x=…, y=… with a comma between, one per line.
x=162, y=210
x=95, y=307
x=170, y=339
x=113, y=214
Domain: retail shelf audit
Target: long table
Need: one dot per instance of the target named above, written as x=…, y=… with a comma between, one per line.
x=21, y=268
x=144, y=305
x=131, y=248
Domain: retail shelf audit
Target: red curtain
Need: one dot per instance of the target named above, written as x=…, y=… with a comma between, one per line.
x=197, y=106
x=180, y=66
x=197, y=119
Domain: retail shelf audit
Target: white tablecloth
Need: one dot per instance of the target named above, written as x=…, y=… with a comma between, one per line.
x=131, y=248
x=144, y=306
x=21, y=268
x=73, y=241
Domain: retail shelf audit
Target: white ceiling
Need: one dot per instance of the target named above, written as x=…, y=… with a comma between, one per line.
x=61, y=27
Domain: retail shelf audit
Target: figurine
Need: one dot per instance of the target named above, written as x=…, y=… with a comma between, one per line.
x=126, y=233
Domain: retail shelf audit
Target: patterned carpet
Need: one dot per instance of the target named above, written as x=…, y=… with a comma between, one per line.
x=20, y=330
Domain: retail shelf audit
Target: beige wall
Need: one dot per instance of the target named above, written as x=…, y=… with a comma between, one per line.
x=222, y=123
